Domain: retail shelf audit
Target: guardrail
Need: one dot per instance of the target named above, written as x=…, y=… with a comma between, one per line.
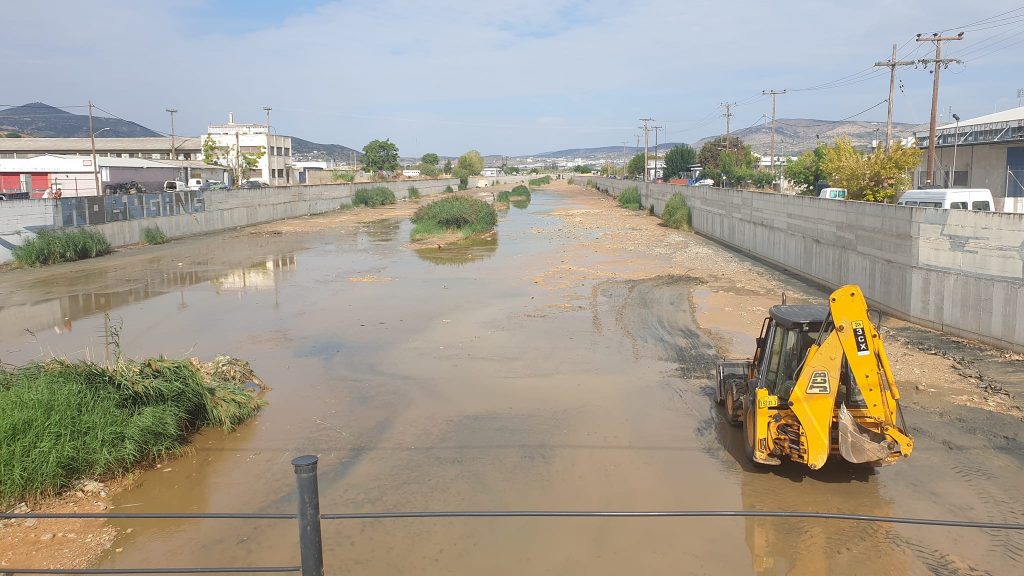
x=311, y=543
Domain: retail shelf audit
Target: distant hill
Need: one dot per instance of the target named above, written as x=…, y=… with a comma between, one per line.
x=45, y=121
x=796, y=135
x=304, y=150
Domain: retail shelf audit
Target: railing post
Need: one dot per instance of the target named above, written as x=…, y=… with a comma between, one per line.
x=310, y=544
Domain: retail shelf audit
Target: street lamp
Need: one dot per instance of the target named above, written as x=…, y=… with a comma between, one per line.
x=956, y=140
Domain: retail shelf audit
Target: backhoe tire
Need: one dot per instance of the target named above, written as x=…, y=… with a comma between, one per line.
x=731, y=408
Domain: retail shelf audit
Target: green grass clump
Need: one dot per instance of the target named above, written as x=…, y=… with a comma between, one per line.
x=154, y=235
x=630, y=198
x=448, y=189
x=373, y=197
x=64, y=421
x=414, y=192
x=521, y=192
x=542, y=181
x=456, y=213
x=53, y=246
x=676, y=213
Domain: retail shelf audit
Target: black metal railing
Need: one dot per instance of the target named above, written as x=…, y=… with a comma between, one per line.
x=311, y=544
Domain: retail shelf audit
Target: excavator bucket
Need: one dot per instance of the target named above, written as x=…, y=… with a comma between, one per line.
x=860, y=445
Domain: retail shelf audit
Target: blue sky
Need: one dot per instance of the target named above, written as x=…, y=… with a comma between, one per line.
x=515, y=77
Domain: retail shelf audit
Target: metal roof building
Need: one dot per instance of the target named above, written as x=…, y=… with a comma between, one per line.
x=185, y=148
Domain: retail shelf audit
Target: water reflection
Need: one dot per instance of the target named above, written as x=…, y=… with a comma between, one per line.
x=262, y=276
x=60, y=313
x=461, y=253
x=378, y=232
x=521, y=203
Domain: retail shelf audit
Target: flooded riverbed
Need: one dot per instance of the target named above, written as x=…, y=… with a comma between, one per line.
x=475, y=378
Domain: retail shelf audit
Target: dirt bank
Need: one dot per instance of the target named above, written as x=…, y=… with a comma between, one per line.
x=733, y=293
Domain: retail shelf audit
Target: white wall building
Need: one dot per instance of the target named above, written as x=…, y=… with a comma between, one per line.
x=274, y=168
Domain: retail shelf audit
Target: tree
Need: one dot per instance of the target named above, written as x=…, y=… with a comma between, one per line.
x=430, y=158
x=635, y=166
x=807, y=171
x=210, y=152
x=447, y=166
x=469, y=164
x=238, y=162
x=874, y=178
x=428, y=170
x=583, y=169
x=510, y=169
x=678, y=160
x=726, y=154
x=381, y=156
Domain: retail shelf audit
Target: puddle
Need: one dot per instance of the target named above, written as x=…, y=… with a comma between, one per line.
x=461, y=253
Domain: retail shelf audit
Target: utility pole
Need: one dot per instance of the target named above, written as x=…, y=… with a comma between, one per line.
x=1020, y=96
x=172, y=111
x=728, y=125
x=646, y=142
x=773, y=94
x=92, y=141
x=656, y=130
x=892, y=64
x=939, y=64
x=267, y=109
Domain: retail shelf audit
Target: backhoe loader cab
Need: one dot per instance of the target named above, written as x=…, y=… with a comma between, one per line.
x=819, y=384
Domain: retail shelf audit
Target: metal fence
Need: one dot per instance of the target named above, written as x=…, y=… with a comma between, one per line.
x=92, y=210
x=311, y=544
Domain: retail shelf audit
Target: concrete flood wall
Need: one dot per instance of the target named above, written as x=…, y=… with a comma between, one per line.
x=955, y=271
x=20, y=219
x=225, y=209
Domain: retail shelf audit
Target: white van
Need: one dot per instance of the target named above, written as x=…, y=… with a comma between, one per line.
x=175, y=186
x=833, y=193
x=195, y=183
x=978, y=199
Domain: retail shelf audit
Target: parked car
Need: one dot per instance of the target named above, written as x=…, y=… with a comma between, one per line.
x=833, y=193
x=195, y=183
x=253, y=184
x=175, y=186
x=130, y=187
x=705, y=182
x=979, y=199
x=213, y=186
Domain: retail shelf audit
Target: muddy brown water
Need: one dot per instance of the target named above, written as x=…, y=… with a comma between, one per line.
x=449, y=380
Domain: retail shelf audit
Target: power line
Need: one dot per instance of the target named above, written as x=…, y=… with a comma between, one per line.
x=983, y=20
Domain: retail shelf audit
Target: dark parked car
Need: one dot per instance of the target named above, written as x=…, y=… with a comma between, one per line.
x=253, y=184
x=213, y=186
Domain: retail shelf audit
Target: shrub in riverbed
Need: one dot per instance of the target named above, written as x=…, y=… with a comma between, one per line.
x=448, y=189
x=630, y=198
x=414, y=192
x=542, y=181
x=454, y=214
x=373, y=197
x=154, y=235
x=64, y=421
x=676, y=213
x=53, y=246
x=519, y=191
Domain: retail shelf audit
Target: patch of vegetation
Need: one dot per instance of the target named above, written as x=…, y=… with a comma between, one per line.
x=519, y=192
x=342, y=176
x=463, y=183
x=676, y=213
x=542, y=181
x=454, y=214
x=448, y=189
x=630, y=198
x=373, y=197
x=53, y=246
x=414, y=193
x=153, y=235
x=64, y=421
x=346, y=206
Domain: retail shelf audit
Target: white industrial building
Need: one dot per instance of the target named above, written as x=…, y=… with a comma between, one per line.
x=274, y=167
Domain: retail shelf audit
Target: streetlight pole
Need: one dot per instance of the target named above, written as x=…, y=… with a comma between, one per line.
x=956, y=140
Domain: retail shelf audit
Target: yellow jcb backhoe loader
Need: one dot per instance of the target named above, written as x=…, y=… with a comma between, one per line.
x=819, y=384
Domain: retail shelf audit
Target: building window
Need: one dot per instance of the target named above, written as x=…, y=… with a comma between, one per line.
x=287, y=151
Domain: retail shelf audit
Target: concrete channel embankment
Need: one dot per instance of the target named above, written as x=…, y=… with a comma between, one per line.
x=224, y=209
x=951, y=270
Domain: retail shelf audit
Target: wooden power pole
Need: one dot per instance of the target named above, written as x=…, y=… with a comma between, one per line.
x=646, y=142
x=728, y=124
x=892, y=64
x=939, y=64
